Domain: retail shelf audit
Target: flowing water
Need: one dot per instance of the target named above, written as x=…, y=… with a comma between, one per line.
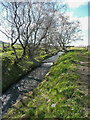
x=27, y=83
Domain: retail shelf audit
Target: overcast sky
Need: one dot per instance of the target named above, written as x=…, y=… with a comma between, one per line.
x=77, y=9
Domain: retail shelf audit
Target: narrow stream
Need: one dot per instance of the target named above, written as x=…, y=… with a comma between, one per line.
x=26, y=84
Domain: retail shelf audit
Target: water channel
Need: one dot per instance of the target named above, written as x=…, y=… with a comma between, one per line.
x=27, y=83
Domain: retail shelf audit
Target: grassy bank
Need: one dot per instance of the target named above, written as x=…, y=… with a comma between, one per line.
x=12, y=73
x=60, y=95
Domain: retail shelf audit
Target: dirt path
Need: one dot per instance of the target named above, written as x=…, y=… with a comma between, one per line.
x=84, y=72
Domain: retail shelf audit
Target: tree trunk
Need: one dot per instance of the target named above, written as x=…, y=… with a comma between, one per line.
x=19, y=59
x=3, y=46
x=14, y=52
x=30, y=52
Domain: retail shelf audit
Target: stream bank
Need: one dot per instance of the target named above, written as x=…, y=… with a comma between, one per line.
x=27, y=83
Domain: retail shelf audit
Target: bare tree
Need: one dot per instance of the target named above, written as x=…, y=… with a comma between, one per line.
x=28, y=24
x=34, y=23
x=67, y=32
x=16, y=24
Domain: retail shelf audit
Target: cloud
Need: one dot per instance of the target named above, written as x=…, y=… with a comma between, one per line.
x=83, y=20
x=3, y=36
x=76, y=3
x=83, y=25
x=70, y=13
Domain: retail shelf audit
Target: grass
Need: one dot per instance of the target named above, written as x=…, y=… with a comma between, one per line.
x=59, y=95
x=12, y=73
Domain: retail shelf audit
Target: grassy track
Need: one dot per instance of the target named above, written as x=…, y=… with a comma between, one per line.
x=60, y=95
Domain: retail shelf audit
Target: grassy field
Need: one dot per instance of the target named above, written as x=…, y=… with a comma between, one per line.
x=60, y=95
x=12, y=73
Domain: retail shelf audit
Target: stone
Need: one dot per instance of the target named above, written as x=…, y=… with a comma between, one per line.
x=48, y=101
x=23, y=117
x=53, y=105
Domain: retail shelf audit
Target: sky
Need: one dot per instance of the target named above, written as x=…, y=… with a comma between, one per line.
x=77, y=10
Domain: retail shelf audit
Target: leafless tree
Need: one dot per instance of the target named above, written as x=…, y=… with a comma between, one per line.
x=66, y=32
x=34, y=23
x=27, y=23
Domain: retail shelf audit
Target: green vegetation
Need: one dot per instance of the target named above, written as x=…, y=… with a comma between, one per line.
x=88, y=54
x=13, y=72
x=60, y=95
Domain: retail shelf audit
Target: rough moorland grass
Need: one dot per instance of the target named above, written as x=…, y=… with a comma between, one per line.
x=11, y=73
x=59, y=95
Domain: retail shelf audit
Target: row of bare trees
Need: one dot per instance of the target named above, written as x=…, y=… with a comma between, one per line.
x=34, y=23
